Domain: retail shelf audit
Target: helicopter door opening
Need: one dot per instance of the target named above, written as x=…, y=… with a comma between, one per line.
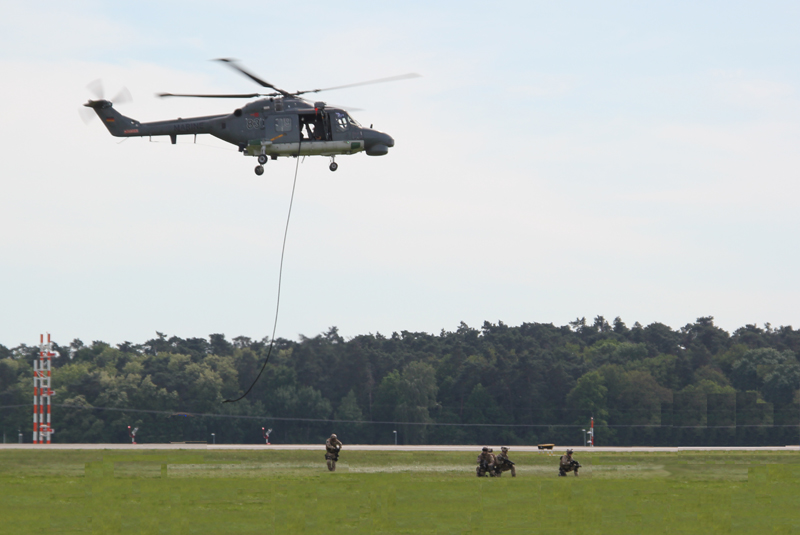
x=314, y=127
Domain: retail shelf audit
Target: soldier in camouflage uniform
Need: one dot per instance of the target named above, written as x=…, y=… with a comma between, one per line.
x=332, y=447
x=486, y=461
x=568, y=464
x=504, y=464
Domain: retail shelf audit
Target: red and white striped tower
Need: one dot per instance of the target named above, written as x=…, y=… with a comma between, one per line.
x=36, y=396
x=42, y=392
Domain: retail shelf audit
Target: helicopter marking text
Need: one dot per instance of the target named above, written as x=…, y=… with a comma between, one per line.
x=186, y=127
x=254, y=124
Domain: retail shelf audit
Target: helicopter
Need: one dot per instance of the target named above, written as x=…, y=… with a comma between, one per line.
x=280, y=125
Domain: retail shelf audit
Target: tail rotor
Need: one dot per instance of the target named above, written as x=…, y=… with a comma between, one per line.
x=86, y=111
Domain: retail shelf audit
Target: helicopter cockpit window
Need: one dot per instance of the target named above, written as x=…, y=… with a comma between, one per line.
x=341, y=120
x=283, y=124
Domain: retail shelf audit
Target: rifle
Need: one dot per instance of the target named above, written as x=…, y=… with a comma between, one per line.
x=335, y=453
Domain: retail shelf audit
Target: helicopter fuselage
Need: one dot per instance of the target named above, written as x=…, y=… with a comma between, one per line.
x=265, y=128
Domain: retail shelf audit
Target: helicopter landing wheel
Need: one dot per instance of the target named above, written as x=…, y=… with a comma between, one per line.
x=259, y=170
x=262, y=159
x=333, y=166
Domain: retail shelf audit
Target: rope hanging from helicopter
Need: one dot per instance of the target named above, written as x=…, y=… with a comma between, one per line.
x=373, y=142
x=280, y=278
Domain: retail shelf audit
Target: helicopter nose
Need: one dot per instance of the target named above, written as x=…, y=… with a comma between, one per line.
x=377, y=143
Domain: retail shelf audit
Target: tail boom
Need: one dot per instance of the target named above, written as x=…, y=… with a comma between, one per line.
x=120, y=126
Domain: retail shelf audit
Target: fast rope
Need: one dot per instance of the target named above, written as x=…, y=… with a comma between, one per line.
x=280, y=277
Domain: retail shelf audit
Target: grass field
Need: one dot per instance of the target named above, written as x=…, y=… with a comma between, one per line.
x=239, y=492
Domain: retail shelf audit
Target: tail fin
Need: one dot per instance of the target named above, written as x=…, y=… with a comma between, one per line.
x=117, y=124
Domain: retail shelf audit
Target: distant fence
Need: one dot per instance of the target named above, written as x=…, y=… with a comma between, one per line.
x=690, y=420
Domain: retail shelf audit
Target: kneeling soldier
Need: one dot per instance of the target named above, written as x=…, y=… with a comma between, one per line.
x=486, y=460
x=568, y=464
x=504, y=464
x=332, y=448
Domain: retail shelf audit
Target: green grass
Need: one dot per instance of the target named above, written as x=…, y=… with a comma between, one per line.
x=239, y=492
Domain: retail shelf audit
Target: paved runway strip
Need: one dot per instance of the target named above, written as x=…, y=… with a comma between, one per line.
x=367, y=447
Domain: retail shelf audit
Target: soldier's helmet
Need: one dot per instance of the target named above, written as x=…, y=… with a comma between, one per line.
x=504, y=449
x=485, y=449
x=490, y=450
x=333, y=435
x=569, y=452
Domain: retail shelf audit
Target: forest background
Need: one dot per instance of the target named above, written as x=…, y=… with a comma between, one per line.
x=644, y=385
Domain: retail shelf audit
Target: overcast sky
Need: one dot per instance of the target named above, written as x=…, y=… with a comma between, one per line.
x=556, y=160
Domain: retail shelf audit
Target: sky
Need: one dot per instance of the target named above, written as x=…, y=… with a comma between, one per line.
x=555, y=160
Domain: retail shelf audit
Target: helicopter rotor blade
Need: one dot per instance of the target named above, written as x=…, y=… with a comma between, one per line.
x=247, y=95
x=86, y=114
x=123, y=97
x=368, y=82
x=96, y=88
x=232, y=63
x=345, y=108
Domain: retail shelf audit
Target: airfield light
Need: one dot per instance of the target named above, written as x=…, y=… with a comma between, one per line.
x=395, y=437
x=213, y=438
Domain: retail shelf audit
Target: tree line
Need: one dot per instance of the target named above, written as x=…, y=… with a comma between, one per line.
x=526, y=384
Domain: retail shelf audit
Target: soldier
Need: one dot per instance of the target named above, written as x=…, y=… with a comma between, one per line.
x=486, y=461
x=332, y=447
x=568, y=464
x=504, y=464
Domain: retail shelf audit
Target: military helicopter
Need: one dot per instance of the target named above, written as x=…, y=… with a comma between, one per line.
x=282, y=124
